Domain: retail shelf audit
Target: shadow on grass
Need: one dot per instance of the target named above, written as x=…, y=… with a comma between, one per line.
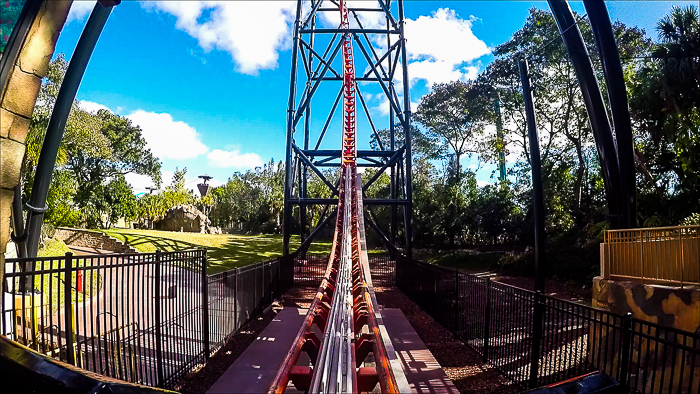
x=465, y=260
x=224, y=251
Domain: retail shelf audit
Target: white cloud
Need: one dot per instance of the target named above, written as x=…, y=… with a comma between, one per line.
x=383, y=107
x=139, y=182
x=168, y=138
x=369, y=20
x=233, y=159
x=93, y=107
x=439, y=47
x=80, y=9
x=251, y=31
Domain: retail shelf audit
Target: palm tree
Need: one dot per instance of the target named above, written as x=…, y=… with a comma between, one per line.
x=679, y=54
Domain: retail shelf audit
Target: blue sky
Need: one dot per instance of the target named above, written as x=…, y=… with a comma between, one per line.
x=209, y=84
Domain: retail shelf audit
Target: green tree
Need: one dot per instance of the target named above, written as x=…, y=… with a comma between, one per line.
x=664, y=102
x=568, y=153
x=454, y=118
x=96, y=150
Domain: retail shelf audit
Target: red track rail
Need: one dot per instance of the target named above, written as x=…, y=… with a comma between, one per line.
x=367, y=334
x=349, y=148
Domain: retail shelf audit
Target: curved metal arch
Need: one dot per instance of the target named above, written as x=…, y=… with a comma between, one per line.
x=618, y=174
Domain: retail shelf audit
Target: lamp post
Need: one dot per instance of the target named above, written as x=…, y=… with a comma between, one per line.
x=204, y=189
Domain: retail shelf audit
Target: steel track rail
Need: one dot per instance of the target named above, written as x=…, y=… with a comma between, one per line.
x=342, y=345
x=353, y=352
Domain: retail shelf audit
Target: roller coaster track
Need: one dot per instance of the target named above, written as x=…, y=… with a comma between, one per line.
x=342, y=345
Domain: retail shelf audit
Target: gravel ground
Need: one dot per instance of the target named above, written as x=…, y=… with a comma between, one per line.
x=562, y=290
x=462, y=365
x=204, y=376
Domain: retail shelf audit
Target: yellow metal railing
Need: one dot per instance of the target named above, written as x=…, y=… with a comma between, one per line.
x=660, y=255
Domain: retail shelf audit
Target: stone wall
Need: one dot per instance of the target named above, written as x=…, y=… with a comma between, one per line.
x=667, y=306
x=92, y=239
x=17, y=101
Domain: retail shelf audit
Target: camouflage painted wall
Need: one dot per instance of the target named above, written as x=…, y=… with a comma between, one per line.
x=666, y=306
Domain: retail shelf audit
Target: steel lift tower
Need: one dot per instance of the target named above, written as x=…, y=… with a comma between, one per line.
x=376, y=30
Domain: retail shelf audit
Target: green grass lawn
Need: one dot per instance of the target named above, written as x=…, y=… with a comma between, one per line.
x=466, y=260
x=225, y=251
x=52, y=248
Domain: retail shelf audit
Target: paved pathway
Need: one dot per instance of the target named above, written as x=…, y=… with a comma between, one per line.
x=255, y=369
x=423, y=372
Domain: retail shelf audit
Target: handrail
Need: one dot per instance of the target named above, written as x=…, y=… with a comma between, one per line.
x=651, y=228
x=658, y=255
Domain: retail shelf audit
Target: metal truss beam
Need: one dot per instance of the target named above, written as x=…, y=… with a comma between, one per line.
x=323, y=67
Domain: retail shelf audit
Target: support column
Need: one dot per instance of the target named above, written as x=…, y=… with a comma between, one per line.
x=617, y=94
x=288, y=181
x=407, y=135
x=22, y=76
x=57, y=123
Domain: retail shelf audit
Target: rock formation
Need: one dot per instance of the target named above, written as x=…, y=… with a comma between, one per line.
x=186, y=218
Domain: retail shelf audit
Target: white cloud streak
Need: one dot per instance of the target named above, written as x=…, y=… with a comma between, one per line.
x=234, y=159
x=80, y=9
x=251, y=31
x=90, y=106
x=439, y=47
x=168, y=138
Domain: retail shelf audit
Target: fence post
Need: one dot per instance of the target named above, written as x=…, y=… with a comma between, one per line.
x=536, y=339
x=205, y=305
x=159, y=344
x=456, y=301
x=626, y=342
x=235, y=299
x=487, y=320
x=279, y=276
x=68, y=308
x=397, y=272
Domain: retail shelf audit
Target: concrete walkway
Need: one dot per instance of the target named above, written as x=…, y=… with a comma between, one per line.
x=255, y=369
x=423, y=372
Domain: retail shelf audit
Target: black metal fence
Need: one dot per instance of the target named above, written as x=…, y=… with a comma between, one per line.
x=309, y=269
x=238, y=295
x=536, y=339
x=142, y=318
